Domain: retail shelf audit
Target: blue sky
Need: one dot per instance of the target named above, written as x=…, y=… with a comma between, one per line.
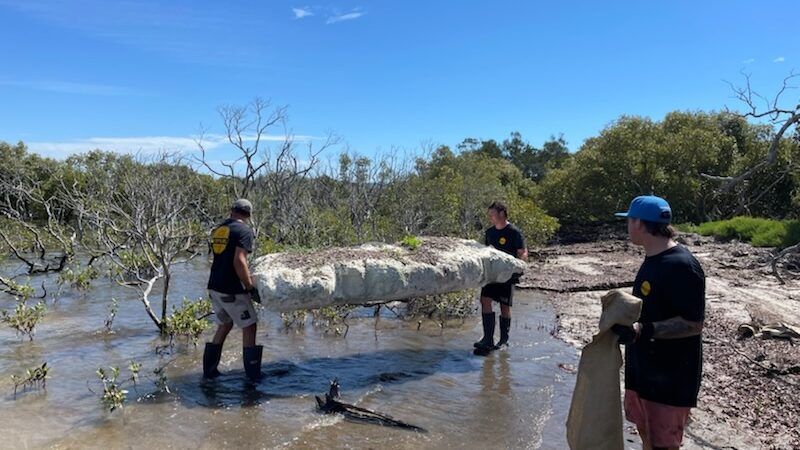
x=144, y=75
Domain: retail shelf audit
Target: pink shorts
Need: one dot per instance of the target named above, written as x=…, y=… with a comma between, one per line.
x=662, y=423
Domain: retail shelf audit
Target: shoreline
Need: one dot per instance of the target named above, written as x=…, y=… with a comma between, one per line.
x=750, y=385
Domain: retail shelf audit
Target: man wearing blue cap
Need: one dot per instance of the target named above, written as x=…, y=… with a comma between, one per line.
x=663, y=355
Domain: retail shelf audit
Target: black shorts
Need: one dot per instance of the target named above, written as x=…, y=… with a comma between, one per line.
x=500, y=292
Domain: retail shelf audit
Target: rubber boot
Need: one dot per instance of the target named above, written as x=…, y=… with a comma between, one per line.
x=505, y=325
x=252, y=362
x=211, y=356
x=488, y=331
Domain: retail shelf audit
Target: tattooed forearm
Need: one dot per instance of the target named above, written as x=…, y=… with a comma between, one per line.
x=676, y=328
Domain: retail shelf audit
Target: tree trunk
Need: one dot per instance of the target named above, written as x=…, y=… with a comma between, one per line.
x=164, y=298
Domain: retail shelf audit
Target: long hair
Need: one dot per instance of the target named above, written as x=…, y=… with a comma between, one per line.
x=659, y=229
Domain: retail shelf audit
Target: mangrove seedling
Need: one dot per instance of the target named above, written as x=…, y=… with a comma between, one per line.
x=189, y=321
x=24, y=318
x=296, y=318
x=113, y=308
x=113, y=395
x=35, y=377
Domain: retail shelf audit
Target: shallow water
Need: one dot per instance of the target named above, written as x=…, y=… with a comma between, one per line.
x=514, y=398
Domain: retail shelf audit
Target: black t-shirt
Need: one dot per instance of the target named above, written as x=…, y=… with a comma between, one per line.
x=224, y=240
x=668, y=371
x=507, y=240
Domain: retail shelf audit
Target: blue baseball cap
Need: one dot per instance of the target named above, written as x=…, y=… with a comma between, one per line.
x=649, y=208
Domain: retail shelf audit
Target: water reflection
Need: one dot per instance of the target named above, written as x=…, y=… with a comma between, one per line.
x=496, y=373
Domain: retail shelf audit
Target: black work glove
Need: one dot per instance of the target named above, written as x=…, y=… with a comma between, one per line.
x=515, y=278
x=254, y=295
x=627, y=335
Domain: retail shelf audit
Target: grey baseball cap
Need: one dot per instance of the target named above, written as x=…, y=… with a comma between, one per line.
x=243, y=205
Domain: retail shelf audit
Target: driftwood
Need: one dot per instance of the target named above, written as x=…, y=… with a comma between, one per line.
x=774, y=263
x=586, y=288
x=331, y=405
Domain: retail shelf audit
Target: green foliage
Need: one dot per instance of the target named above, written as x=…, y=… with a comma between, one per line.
x=189, y=320
x=115, y=393
x=636, y=156
x=24, y=237
x=441, y=307
x=24, y=318
x=534, y=163
x=114, y=396
x=757, y=231
x=20, y=291
x=411, y=242
x=296, y=318
x=134, y=262
x=79, y=279
x=34, y=377
x=536, y=226
x=458, y=188
x=334, y=318
x=134, y=368
x=267, y=245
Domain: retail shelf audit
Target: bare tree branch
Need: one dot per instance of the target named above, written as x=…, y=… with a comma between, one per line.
x=268, y=172
x=783, y=116
x=150, y=217
x=782, y=254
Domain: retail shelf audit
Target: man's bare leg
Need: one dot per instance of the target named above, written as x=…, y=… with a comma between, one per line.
x=222, y=333
x=249, y=335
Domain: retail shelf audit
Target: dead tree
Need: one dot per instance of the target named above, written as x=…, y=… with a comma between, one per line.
x=266, y=169
x=784, y=118
x=145, y=216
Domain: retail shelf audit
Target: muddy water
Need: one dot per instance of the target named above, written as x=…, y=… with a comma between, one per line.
x=515, y=398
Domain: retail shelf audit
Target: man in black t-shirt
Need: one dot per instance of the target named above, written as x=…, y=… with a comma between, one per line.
x=664, y=355
x=232, y=291
x=507, y=238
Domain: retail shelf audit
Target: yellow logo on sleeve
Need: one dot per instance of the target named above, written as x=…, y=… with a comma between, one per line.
x=219, y=239
x=646, y=288
x=502, y=241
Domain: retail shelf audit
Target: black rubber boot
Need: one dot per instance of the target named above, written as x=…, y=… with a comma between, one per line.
x=211, y=356
x=505, y=325
x=252, y=362
x=488, y=331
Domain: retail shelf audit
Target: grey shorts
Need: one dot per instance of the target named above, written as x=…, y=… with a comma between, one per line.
x=236, y=308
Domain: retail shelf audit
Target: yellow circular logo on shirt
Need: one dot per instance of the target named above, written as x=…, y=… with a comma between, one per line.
x=502, y=241
x=646, y=288
x=219, y=239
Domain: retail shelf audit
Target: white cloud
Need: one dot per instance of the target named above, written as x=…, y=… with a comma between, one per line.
x=299, y=13
x=68, y=87
x=342, y=17
x=749, y=61
x=146, y=144
x=779, y=59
